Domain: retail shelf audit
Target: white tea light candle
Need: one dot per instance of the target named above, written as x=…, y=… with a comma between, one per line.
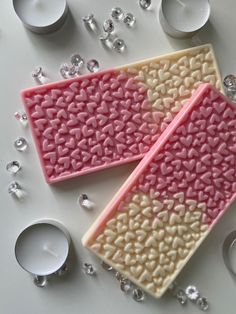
x=42, y=248
x=41, y=16
x=183, y=18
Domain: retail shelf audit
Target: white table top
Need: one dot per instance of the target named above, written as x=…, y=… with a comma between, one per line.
x=20, y=52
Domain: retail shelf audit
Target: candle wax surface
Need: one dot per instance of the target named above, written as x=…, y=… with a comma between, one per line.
x=42, y=249
x=188, y=16
x=40, y=13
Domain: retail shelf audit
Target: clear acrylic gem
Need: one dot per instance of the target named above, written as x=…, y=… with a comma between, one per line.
x=40, y=281
x=118, y=45
x=125, y=285
x=145, y=4
x=108, y=26
x=118, y=276
x=202, y=304
x=39, y=76
x=16, y=190
x=21, y=117
x=89, y=269
x=106, y=266
x=84, y=202
x=129, y=19
x=181, y=296
x=93, y=65
x=77, y=60
x=230, y=82
x=90, y=22
x=192, y=293
x=20, y=144
x=138, y=295
x=68, y=71
x=117, y=13
x=13, y=167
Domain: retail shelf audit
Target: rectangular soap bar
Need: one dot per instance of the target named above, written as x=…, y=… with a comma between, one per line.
x=112, y=117
x=174, y=197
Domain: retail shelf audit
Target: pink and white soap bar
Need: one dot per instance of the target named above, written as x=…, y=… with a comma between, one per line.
x=112, y=117
x=174, y=197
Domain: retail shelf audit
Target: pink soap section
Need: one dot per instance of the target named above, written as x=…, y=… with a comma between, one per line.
x=90, y=123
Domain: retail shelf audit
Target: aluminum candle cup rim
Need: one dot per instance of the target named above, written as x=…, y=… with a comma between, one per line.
x=46, y=28
x=172, y=31
x=228, y=244
x=51, y=223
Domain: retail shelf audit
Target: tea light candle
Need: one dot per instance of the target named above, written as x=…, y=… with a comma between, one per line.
x=42, y=248
x=183, y=18
x=41, y=16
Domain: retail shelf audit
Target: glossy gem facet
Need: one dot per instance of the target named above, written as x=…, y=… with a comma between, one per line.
x=138, y=295
x=39, y=76
x=15, y=189
x=108, y=26
x=117, y=13
x=84, y=202
x=89, y=269
x=13, y=166
x=125, y=285
x=192, y=293
x=118, y=45
x=21, y=144
x=202, y=304
x=77, y=60
x=21, y=117
x=129, y=19
x=145, y=4
x=181, y=296
x=93, y=65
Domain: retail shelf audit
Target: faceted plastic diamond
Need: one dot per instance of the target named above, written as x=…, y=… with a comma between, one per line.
x=230, y=82
x=192, y=293
x=118, y=45
x=106, y=266
x=117, y=13
x=129, y=19
x=138, y=295
x=20, y=144
x=90, y=22
x=118, y=276
x=77, y=60
x=68, y=71
x=125, y=285
x=108, y=26
x=39, y=76
x=181, y=296
x=202, y=304
x=16, y=190
x=89, y=269
x=93, y=65
x=21, y=117
x=84, y=202
x=13, y=167
x=40, y=281
x=145, y=4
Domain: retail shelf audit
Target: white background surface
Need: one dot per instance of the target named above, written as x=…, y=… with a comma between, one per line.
x=20, y=52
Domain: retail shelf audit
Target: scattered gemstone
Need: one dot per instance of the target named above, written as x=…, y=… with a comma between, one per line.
x=129, y=19
x=20, y=144
x=145, y=4
x=16, y=190
x=40, y=281
x=202, y=304
x=125, y=285
x=13, y=167
x=117, y=13
x=230, y=82
x=192, y=293
x=63, y=270
x=77, y=60
x=21, y=117
x=83, y=201
x=39, y=76
x=68, y=71
x=181, y=296
x=118, y=45
x=90, y=21
x=93, y=65
x=89, y=269
x=106, y=266
x=138, y=295
x=108, y=26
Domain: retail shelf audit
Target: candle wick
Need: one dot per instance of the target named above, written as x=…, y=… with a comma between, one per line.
x=181, y=3
x=48, y=250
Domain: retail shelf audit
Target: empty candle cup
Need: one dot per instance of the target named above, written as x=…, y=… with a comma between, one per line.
x=183, y=18
x=42, y=250
x=41, y=16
